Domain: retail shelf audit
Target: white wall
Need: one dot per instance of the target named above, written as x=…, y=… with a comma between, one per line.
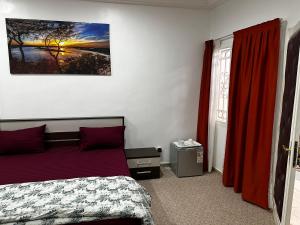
x=156, y=63
x=234, y=15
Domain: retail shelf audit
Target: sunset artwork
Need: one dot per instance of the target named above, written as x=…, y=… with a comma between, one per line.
x=58, y=47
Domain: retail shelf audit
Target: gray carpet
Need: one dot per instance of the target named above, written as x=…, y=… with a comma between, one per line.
x=200, y=201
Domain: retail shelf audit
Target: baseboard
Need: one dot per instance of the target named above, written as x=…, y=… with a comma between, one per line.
x=165, y=164
x=216, y=170
x=168, y=164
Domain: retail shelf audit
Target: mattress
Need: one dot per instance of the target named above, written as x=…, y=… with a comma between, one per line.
x=125, y=221
x=62, y=163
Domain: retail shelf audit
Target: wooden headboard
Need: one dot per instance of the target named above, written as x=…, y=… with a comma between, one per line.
x=62, y=131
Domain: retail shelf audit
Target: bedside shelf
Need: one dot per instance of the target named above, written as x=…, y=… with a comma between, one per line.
x=143, y=163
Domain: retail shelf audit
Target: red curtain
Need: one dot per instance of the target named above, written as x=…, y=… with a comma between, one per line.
x=202, y=128
x=252, y=92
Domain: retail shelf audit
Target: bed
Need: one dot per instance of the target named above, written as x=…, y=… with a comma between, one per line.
x=64, y=160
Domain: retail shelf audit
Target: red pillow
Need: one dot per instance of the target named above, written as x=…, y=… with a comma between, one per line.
x=104, y=137
x=30, y=140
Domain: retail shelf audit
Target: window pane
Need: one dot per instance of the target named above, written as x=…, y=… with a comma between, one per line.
x=223, y=74
x=222, y=66
x=228, y=65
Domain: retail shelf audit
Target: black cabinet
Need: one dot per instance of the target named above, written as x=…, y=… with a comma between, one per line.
x=143, y=163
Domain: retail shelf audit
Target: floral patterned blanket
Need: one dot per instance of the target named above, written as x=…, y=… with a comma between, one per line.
x=74, y=201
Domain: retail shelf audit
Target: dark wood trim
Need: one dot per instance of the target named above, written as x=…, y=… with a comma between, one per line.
x=135, y=153
x=145, y=173
x=63, y=135
x=289, y=80
x=67, y=118
x=62, y=143
x=123, y=120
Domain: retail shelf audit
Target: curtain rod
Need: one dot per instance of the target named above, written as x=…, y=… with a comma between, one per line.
x=283, y=22
x=229, y=36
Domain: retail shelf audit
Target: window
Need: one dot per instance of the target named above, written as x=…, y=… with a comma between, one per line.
x=223, y=58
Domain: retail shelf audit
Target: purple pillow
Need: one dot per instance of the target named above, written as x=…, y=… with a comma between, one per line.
x=30, y=140
x=104, y=137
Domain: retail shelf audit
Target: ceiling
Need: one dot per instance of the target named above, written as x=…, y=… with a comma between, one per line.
x=191, y=4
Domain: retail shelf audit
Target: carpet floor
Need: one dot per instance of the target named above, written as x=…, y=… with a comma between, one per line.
x=201, y=200
x=295, y=217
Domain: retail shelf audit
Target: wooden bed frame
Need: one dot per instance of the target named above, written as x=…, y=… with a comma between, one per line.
x=62, y=131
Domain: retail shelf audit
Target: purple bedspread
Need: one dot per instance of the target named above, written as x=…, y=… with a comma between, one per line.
x=62, y=163
x=65, y=163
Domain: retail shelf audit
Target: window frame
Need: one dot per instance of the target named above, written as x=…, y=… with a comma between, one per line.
x=226, y=47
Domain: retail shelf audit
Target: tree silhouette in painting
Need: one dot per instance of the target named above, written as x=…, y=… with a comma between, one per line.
x=19, y=29
x=59, y=33
x=16, y=30
x=56, y=35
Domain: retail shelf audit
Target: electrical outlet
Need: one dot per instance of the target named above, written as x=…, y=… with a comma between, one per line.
x=158, y=148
